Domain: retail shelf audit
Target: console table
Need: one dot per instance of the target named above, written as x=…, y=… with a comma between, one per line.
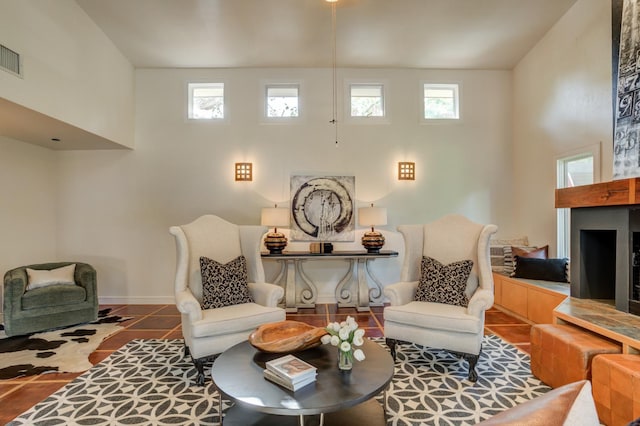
x=292, y=268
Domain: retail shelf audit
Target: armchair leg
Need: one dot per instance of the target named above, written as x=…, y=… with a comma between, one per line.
x=186, y=348
x=473, y=360
x=199, y=363
x=391, y=343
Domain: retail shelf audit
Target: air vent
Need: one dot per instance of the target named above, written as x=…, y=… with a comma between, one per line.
x=10, y=61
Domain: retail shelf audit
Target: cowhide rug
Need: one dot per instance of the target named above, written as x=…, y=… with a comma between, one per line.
x=64, y=350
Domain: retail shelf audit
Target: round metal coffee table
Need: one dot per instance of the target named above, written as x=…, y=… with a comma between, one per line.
x=334, y=398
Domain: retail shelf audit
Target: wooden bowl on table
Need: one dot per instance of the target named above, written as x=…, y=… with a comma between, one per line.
x=286, y=336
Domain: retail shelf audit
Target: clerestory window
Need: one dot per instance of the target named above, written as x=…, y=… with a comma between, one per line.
x=206, y=101
x=367, y=100
x=441, y=102
x=282, y=100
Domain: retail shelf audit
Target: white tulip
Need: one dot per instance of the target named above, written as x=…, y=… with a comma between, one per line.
x=343, y=324
x=345, y=346
x=335, y=326
x=344, y=333
x=335, y=340
x=325, y=339
x=358, y=333
x=358, y=340
x=358, y=354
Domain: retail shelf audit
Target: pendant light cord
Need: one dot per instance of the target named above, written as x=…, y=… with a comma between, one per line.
x=334, y=76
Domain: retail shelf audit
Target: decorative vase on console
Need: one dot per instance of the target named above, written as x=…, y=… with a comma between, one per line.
x=346, y=336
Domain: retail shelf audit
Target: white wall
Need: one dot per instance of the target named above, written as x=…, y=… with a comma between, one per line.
x=116, y=208
x=28, y=176
x=113, y=208
x=72, y=71
x=562, y=102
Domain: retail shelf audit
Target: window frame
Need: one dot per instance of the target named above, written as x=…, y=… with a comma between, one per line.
x=563, y=217
x=385, y=118
x=191, y=85
x=457, y=86
x=263, y=113
x=265, y=92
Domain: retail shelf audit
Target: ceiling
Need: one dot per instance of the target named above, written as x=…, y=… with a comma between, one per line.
x=464, y=34
x=445, y=34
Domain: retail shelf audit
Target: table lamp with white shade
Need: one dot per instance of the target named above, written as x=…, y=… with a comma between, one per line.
x=273, y=217
x=372, y=216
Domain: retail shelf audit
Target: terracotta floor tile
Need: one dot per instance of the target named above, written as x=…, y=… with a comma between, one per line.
x=331, y=308
x=48, y=377
x=123, y=337
x=138, y=309
x=156, y=323
x=297, y=316
x=363, y=319
x=512, y=333
x=318, y=309
x=7, y=387
x=24, y=398
x=373, y=332
x=99, y=356
x=314, y=320
x=175, y=334
x=499, y=317
x=132, y=320
x=346, y=311
x=168, y=310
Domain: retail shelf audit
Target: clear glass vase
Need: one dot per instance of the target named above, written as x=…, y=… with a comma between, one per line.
x=345, y=360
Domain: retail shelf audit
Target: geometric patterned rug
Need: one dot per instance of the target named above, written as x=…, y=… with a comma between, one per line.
x=151, y=382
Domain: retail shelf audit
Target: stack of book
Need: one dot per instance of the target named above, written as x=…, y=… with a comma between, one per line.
x=290, y=372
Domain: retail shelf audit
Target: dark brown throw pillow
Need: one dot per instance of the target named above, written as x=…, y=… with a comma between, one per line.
x=542, y=269
x=224, y=285
x=444, y=283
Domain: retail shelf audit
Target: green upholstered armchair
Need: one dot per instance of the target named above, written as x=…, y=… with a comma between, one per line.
x=52, y=306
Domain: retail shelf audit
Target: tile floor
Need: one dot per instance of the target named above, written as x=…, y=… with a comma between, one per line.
x=163, y=322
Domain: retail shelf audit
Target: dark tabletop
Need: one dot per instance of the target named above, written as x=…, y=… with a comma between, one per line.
x=335, y=253
x=237, y=373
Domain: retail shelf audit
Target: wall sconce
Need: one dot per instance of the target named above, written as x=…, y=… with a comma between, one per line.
x=273, y=216
x=406, y=170
x=244, y=172
x=371, y=216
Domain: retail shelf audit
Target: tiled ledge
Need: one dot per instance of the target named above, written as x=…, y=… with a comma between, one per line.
x=601, y=317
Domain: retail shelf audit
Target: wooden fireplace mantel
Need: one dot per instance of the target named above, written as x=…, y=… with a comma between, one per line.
x=614, y=193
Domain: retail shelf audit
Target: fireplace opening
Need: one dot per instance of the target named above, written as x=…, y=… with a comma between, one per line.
x=598, y=264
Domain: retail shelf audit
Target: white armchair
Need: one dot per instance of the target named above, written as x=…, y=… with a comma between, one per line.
x=208, y=332
x=437, y=325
